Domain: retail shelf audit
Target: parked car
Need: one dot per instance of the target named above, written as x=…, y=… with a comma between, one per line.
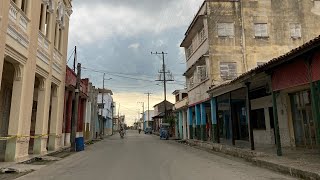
x=164, y=131
x=148, y=130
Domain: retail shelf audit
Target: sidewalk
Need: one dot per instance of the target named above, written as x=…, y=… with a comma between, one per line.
x=300, y=163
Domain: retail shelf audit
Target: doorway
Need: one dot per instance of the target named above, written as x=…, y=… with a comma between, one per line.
x=303, y=122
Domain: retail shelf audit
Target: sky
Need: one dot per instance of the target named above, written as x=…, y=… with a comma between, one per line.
x=117, y=37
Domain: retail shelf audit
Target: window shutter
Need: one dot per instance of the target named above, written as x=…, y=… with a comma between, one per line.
x=257, y=30
x=221, y=29
x=228, y=70
x=292, y=30
x=230, y=29
x=264, y=30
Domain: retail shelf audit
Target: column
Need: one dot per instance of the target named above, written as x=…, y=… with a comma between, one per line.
x=56, y=38
x=190, y=123
x=40, y=143
x=185, y=125
x=54, y=120
x=248, y=105
x=43, y=18
x=203, y=122
x=19, y=3
x=16, y=118
x=231, y=120
x=68, y=119
x=198, y=121
x=180, y=125
x=276, y=123
x=214, y=119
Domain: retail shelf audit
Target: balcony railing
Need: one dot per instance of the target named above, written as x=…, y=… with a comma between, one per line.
x=18, y=17
x=43, y=42
x=57, y=56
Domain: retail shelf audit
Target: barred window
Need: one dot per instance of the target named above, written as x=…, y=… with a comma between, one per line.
x=202, y=73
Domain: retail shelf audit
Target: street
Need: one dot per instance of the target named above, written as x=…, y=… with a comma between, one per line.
x=140, y=156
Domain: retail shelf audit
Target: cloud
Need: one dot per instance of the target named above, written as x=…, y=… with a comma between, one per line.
x=134, y=46
x=100, y=20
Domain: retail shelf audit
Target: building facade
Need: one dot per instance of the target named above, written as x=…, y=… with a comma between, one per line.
x=228, y=38
x=34, y=38
x=274, y=107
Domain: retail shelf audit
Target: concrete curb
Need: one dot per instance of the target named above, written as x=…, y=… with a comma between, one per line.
x=257, y=158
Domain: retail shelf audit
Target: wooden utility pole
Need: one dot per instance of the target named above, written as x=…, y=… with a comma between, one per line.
x=75, y=108
x=165, y=79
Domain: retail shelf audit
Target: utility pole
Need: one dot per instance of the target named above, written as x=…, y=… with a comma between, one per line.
x=148, y=93
x=101, y=110
x=164, y=73
x=143, y=112
x=75, y=59
x=75, y=109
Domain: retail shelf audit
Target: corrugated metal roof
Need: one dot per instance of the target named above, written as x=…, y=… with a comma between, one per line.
x=275, y=61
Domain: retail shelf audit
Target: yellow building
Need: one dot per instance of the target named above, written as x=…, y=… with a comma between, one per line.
x=33, y=49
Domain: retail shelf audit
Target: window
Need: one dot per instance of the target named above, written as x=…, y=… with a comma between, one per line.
x=189, y=51
x=295, y=30
x=24, y=6
x=258, y=119
x=202, y=35
x=225, y=29
x=191, y=83
x=261, y=30
x=201, y=73
x=260, y=63
x=228, y=70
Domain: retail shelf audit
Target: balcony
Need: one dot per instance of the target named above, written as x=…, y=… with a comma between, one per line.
x=182, y=103
x=18, y=25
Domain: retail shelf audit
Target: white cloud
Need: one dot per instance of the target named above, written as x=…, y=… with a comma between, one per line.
x=134, y=46
x=101, y=20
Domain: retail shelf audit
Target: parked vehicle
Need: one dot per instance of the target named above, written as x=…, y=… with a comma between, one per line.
x=164, y=131
x=148, y=130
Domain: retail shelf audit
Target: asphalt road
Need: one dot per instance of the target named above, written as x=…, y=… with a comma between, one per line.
x=142, y=157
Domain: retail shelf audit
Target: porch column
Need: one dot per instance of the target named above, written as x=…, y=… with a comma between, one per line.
x=231, y=120
x=248, y=105
x=54, y=120
x=203, y=122
x=198, y=121
x=190, y=123
x=315, y=109
x=214, y=118
x=180, y=125
x=185, y=126
x=68, y=119
x=42, y=117
x=276, y=123
x=16, y=118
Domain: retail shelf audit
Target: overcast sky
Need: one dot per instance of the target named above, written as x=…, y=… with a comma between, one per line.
x=117, y=36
